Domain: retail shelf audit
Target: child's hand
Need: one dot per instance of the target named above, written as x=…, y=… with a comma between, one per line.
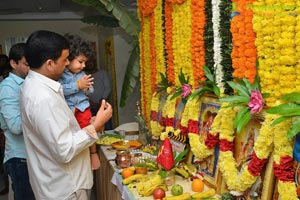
x=85, y=82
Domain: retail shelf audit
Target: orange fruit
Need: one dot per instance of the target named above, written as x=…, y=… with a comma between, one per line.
x=127, y=172
x=197, y=185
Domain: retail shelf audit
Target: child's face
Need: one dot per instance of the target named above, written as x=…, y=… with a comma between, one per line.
x=77, y=64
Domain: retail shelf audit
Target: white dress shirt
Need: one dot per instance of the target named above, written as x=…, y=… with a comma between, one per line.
x=57, y=149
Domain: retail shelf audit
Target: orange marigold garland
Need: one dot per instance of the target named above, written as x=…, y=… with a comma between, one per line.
x=152, y=52
x=169, y=41
x=197, y=41
x=146, y=6
x=244, y=53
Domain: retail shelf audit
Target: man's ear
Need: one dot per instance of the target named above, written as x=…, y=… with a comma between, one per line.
x=50, y=65
x=13, y=64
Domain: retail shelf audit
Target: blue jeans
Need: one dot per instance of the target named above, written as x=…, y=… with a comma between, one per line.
x=18, y=172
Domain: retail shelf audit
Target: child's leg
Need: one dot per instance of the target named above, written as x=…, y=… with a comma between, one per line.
x=83, y=119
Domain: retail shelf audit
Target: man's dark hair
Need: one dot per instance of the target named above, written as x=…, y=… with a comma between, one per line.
x=78, y=46
x=16, y=52
x=4, y=63
x=43, y=45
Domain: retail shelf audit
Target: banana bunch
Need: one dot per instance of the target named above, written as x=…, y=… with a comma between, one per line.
x=183, y=196
x=150, y=149
x=206, y=194
x=146, y=186
x=185, y=170
x=134, y=177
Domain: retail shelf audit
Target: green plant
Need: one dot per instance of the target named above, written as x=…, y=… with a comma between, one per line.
x=208, y=86
x=248, y=97
x=288, y=110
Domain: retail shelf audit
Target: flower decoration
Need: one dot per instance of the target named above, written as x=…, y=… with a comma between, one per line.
x=164, y=84
x=208, y=86
x=185, y=89
x=290, y=110
x=248, y=97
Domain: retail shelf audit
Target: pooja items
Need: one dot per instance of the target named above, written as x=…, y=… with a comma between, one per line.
x=123, y=159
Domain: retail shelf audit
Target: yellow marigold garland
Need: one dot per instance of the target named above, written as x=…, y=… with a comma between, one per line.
x=181, y=29
x=156, y=128
x=198, y=148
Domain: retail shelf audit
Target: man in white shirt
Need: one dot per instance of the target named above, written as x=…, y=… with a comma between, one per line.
x=57, y=149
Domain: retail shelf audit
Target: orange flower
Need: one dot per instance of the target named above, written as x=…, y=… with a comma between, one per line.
x=147, y=6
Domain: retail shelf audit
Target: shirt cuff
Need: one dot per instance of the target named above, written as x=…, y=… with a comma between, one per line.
x=91, y=131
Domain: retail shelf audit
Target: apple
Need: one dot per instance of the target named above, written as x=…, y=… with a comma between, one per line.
x=159, y=193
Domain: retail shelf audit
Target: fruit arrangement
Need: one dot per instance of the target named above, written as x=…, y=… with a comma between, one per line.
x=108, y=139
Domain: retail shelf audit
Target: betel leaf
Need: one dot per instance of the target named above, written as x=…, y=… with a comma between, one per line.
x=294, y=129
x=238, y=88
x=292, y=97
x=239, y=116
x=288, y=109
x=243, y=121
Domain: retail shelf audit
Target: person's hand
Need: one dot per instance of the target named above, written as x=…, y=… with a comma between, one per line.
x=103, y=115
x=95, y=161
x=85, y=82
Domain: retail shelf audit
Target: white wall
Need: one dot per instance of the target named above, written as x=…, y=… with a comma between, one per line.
x=25, y=28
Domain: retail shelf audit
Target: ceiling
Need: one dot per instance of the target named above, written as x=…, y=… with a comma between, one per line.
x=9, y=9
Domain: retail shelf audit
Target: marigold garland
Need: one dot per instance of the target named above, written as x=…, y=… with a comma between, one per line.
x=244, y=53
x=146, y=6
x=199, y=149
x=197, y=41
x=181, y=45
x=156, y=127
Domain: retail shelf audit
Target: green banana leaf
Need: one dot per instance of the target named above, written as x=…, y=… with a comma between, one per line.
x=127, y=21
x=288, y=109
x=131, y=75
x=101, y=20
x=95, y=4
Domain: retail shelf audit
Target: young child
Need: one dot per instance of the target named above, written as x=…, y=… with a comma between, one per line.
x=77, y=85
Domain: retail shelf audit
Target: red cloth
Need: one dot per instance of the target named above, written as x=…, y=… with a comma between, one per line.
x=83, y=118
x=165, y=156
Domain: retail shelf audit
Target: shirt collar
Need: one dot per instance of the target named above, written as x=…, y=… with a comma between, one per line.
x=16, y=78
x=54, y=85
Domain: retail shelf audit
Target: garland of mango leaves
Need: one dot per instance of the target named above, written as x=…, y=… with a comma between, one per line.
x=226, y=44
x=209, y=36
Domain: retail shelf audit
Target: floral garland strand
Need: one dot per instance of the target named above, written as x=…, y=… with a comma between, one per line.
x=217, y=45
x=168, y=114
x=244, y=53
x=169, y=41
x=275, y=38
x=224, y=31
x=155, y=125
x=199, y=149
x=159, y=41
x=209, y=36
x=197, y=40
x=182, y=28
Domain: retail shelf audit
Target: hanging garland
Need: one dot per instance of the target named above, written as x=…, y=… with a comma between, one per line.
x=209, y=36
x=197, y=40
x=155, y=125
x=146, y=7
x=244, y=53
x=276, y=32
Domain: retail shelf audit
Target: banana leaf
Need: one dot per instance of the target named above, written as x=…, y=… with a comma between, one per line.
x=288, y=109
x=292, y=97
x=131, y=75
x=95, y=4
x=294, y=129
x=127, y=21
x=101, y=20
